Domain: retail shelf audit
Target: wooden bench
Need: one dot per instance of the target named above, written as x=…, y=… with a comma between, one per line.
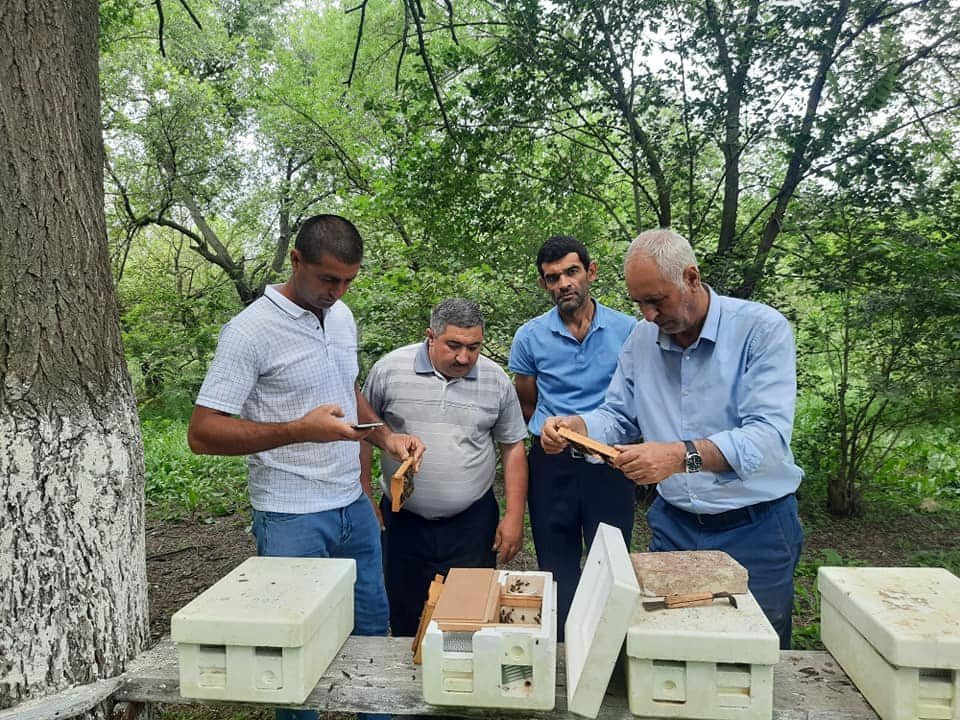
x=378, y=675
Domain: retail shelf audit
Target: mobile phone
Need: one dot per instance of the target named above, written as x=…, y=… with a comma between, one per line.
x=366, y=426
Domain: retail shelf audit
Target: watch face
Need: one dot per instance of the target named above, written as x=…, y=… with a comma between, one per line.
x=694, y=462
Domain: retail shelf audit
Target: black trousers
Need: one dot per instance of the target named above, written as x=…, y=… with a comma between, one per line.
x=568, y=498
x=417, y=548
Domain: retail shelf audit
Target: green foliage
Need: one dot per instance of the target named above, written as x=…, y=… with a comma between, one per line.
x=172, y=309
x=806, y=600
x=592, y=120
x=179, y=483
x=949, y=559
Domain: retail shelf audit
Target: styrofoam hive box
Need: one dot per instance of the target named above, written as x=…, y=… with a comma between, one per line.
x=896, y=633
x=266, y=631
x=498, y=654
x=713, y=662
x=597, y=622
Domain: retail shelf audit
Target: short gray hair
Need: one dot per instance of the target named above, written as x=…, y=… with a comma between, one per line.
x=670, y=250
x=456, y=311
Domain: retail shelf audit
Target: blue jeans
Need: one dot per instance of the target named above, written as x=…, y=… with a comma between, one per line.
x=766, y=539
x=348, y=532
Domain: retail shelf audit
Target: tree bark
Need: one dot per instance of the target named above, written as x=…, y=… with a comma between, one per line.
x=74, y=602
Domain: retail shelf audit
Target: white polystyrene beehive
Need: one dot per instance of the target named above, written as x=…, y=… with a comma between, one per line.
x=266, y=631
x=498, y=665
x=705, y=663
x=896, y=633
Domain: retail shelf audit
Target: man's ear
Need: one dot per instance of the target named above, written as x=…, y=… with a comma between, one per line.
x=592, y=271
x=430, y=335
x=541, y=282
x=691, y=276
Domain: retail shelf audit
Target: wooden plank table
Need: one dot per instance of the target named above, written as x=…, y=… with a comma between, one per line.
x=378, y=675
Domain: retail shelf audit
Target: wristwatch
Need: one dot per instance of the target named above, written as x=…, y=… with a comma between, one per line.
x=692, y=463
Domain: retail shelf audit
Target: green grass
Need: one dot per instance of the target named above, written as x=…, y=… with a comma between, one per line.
x=179, y=483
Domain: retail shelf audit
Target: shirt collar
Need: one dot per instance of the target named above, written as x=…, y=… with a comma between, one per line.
x=599, y=319
x=711, y=325
x=287, y=305
x=423, y=366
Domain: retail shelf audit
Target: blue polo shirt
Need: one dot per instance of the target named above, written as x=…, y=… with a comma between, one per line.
x=572, y=376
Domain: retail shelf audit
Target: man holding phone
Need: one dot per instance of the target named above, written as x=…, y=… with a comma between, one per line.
x=463, y=405
x=282, y=389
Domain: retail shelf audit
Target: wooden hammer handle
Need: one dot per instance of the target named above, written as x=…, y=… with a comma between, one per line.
x=688, y=599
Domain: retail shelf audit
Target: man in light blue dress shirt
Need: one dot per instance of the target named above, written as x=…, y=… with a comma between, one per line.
x=710, y=383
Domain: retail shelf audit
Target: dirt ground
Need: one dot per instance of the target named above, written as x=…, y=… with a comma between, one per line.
x=185, y=557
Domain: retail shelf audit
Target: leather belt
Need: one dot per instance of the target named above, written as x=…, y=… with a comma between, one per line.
x=729, y=518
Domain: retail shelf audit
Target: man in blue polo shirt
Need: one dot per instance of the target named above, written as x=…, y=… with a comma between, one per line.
x=563, y=361
x=710, y=383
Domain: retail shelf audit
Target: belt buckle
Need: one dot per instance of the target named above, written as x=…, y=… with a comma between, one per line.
x=575, y=454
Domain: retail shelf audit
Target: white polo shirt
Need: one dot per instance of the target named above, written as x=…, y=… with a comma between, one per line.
x=274, y=363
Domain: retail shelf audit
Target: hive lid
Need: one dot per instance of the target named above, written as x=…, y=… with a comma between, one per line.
x=265, y=601
x=713, y=633
x=598, y=618
x=910, y=615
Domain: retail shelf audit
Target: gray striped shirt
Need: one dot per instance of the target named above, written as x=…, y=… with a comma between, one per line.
x=459, y=421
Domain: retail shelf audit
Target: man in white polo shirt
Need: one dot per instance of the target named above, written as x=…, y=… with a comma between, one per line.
x=282, y=389
x=463, y=406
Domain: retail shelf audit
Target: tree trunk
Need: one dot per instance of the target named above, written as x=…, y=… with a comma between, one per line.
x=74, y=602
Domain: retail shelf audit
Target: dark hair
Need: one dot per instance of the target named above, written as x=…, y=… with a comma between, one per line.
x=329, y=234
x=558, y=247
x=458, y=312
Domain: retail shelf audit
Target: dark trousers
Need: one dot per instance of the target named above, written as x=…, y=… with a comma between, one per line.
x=765, y=538
x=417, y=548
x=568, y=498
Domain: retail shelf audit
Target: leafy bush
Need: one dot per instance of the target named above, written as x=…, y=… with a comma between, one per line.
x=806, y=599
x=179, y=483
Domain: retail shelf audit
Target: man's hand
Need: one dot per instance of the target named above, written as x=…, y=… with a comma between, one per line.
x=401, y=446
x=649, y=463
x=550, y=441
x=323, y=424
x=509, y=537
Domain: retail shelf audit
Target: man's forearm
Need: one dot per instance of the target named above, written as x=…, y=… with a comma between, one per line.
x=218, y=434
x=514, y=479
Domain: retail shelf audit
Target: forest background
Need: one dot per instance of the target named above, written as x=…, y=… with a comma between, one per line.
x=809, y=152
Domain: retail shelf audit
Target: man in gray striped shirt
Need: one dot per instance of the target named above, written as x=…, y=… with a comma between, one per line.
x=462, y=406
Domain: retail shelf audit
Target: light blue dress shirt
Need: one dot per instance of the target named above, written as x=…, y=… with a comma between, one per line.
x=736, y=386
x=572, y=376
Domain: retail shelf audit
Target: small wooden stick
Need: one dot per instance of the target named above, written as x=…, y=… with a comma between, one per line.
x=433, y=594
